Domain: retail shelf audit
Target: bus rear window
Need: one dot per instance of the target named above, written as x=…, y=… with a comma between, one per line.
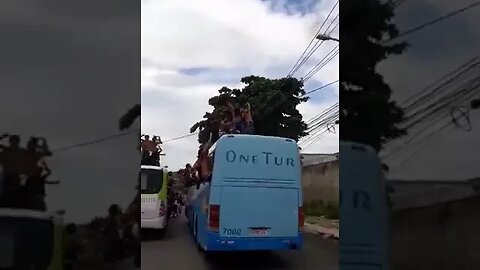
x=151, y=181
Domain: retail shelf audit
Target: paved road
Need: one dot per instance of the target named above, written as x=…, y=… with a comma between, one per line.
x=178, y=252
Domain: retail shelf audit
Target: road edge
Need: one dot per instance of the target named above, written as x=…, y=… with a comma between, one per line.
x=327, y=233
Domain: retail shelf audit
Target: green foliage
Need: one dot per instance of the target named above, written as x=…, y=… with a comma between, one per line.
x=317, y=208
x=367, y=114
x=273, y=105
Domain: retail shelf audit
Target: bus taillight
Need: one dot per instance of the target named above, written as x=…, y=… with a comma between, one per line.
x=213, y=218
x=301, y=217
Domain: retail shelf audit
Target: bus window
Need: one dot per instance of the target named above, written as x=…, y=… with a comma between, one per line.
x=151, y=181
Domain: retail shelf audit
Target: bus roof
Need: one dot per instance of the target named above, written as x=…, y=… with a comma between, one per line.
x=150, y=167
x=248, y=137
x=257, y=158
x=25, y=213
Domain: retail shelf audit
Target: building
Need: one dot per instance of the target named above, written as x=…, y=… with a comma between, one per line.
x=435, y=224
x=320, y=177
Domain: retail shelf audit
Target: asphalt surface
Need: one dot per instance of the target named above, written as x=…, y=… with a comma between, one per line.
x=177, y=251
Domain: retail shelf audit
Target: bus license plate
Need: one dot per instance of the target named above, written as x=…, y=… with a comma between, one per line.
x=258, y=232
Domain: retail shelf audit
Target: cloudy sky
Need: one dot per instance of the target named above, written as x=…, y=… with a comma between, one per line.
x=68, y=72
x=433, y=52
x=190, y=49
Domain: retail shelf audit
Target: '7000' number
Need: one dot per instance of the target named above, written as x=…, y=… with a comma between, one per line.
x=228, y=231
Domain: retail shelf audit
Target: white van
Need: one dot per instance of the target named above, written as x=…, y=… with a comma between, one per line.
x=363, y=209
x=154, y=206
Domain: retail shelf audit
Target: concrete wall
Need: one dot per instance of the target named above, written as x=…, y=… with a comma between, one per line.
x=320, y=182
x=442, y=236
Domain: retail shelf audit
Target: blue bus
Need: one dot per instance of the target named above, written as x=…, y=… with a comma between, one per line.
x=363, y=209
x=253, y=199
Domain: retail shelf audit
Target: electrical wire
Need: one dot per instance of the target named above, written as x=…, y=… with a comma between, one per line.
x=321, y=64
x=313, y=50
x=290, y=73
x=95, y=141
x=319, y=88
x=435, y=21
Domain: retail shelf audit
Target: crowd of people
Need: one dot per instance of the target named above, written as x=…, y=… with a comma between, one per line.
x=150, y=149
x=237, y=120
x=231, y=118
x=122, y=234
x=176, y=204
x=24, y=172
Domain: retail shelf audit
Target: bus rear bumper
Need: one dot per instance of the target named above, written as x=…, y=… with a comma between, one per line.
x=156, y=223
x=216, y=243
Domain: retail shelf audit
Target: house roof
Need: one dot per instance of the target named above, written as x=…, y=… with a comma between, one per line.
x=421, y=193
x=317, y=158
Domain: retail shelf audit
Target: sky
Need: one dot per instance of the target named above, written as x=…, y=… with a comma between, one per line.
x=69, y=71
x=434, y=51
x=190, y=49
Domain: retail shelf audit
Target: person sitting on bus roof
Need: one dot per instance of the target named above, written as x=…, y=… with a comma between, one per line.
x=35, y=187
x=247, y=126
x=8, y=157
x=236, y=117
x=158, y=141
x=147, y=144
x=226, y=126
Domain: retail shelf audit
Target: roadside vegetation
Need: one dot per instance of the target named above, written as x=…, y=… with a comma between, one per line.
x=319, y=208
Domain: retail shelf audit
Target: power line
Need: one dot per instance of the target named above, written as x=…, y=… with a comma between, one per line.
x=322, y=63
x=407, y=102
x=418, y=101
x=333, y=20
x=437, y=20
x=426, y=144
x=321, y=122
x=414, y=136
x=331, y=117
x=181, y=137
x=319, y=88
x=99, y=140
x=321, y=114
x=314, y=49
x=313, y=39
x=111, y=137
x=459, y=96
x=437, y=114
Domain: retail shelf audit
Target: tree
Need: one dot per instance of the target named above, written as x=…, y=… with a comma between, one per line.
x=273, y=105
x=367, y=115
